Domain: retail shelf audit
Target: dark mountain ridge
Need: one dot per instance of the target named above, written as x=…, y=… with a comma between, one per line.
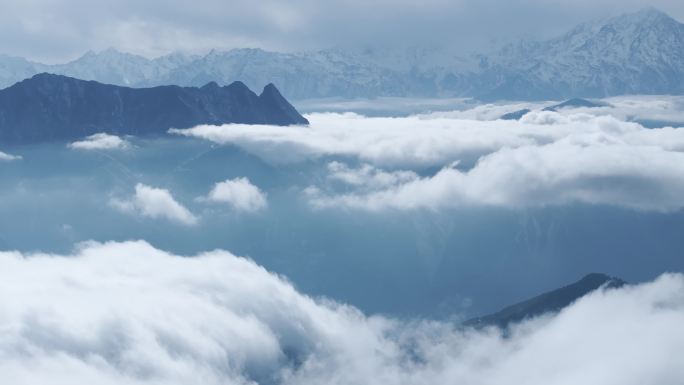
x=549, y=302
x=576, y=103
x=49, y=107
x=568, y=104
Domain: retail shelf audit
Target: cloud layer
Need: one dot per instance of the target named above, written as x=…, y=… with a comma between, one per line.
x=154, y=202
x=557, y=174
x=52, y=31
x=547, y=158
x=369, y=177
x=412, y=141
x=100, y=141
x=5, y=157
x=127, y=313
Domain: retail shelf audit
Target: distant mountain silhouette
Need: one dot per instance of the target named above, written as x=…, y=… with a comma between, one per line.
x=570, y=103
x=552, y=301
x=575, y=103
x=50, y=107
x=515, y=115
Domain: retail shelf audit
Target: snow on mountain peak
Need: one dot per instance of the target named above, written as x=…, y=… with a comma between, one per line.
x=638, y=52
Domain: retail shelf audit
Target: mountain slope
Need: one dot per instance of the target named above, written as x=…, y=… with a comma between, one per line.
x=552, y=301
x=635, y=53
x=50, y=107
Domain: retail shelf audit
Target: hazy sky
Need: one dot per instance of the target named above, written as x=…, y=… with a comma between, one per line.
x=57, y=30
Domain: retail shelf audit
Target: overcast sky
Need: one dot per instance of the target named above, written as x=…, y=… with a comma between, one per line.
x=59, y=30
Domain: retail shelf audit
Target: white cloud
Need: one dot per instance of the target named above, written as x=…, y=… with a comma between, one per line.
x=369, y=177
x=411, y=141
x=567, y=171
x=415, y=141
x=154, y=203
x=660, y=108
x=489, y=111
x=100, y=141
x=239, y=193
x=644, y=107
x=5, y=157
x=127, y=313
x=547, y=158
x=383, y=106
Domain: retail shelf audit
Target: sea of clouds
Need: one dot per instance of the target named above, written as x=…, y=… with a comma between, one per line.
x=128, y=313
x=546, y=158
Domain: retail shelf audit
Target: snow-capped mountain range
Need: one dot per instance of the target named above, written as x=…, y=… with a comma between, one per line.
x=635, y=53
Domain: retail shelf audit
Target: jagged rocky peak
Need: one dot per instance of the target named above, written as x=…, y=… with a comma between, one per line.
x=271, y=97
x=628, y=34
x=271, y=88
x=270, y=91
x=49, y=107
x=239, y=85
x=212, y=85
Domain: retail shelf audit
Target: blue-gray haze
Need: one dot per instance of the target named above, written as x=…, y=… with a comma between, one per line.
x=419, y=263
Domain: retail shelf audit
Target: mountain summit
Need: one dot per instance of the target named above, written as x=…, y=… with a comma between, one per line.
x=636, y=53
x=50, y=107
